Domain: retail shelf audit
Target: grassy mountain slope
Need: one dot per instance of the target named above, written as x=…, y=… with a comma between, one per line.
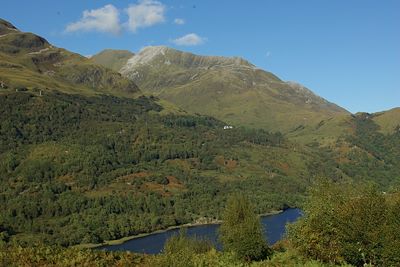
x=94, y=165
x=327, y=132
x=28, y=61
x=389, y=121
x=231, y=89
x=6, y=27
x=113, y=59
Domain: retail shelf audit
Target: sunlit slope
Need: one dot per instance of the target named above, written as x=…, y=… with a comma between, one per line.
x=113, y=59
x=389, y=121
x=328, y=131
x=28, y=61
x=231, y=89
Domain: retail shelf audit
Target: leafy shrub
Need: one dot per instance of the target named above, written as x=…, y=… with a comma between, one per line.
x=241, y=231
x=347, y=222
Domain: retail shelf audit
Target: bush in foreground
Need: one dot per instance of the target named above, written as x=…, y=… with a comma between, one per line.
x=346, y=222
x=241, y=231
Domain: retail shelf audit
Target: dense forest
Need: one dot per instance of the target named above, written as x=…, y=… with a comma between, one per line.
x=349, y=222
x=86, y=169
x=77, y=169
x=373, y=155
x=344, y=224
x=85, y=159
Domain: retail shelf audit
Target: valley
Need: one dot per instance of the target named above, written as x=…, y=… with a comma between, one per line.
x=127, y=143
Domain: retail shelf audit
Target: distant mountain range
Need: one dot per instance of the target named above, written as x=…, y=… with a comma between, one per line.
x=230, y=89
x=85, y=157
x=237, y=92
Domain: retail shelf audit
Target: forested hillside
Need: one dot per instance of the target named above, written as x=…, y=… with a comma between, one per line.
x=85, y=159
x=85, y=169
x=79, y=169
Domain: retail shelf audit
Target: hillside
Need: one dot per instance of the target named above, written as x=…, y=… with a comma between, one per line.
x=327, y=132
x=231, y=89
x=106, y=167
x=84, y=161
x=85, y=169
x=113, y=59
x=389, y=121
x=30, y=62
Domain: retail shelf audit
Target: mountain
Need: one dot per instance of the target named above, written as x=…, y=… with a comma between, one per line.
x=388, y=121
x=88, y=160
x=6, y=27
x=83, y=163
x=83, y=169
x=28, y=61
x=230, y=89
x=328, y=131
x=113, y=59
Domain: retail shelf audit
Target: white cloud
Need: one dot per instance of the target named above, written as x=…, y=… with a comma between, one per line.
x=189, y=39
x=105, y=19
x=268, y=54
x=179, y=21
x=144, y=14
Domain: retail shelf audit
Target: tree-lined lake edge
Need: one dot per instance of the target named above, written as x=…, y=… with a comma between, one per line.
x=152, y=243
x=196, y=223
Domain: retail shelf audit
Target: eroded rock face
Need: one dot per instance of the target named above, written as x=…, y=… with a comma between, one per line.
x=153, y=55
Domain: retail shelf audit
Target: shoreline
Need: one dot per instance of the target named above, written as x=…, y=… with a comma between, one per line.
x=128, y=238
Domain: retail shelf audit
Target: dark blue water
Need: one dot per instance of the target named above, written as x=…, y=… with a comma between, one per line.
x=274, y=227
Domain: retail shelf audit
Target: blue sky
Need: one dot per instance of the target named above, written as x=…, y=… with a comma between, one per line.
x=347, y=51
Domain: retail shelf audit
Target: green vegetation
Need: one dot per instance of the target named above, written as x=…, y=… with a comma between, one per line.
x=230, y=89
x=83, y=160
x=369, y=154
x=347, y=222
x=181, y=242
x=241, y=231
x=344, y=223
x=79, y=169
x=389, y=121
x=86, y=169
x=47, y=256
x=113, y=59
x=180, y=250
x=29, y=62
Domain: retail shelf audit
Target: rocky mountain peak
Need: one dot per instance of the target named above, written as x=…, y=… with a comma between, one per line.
x=147, y=54
x=304, y=91
x=162, y=55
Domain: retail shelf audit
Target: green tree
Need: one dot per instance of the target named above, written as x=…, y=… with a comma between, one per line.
x=241, y=231
x=182, y=242
x=181, y=250
x=348, y=222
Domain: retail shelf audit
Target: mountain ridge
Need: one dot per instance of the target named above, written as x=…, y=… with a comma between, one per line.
x=148, y=53
x=96, y=165
x=229, y=88
x=30, y=62
x=113, y=59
